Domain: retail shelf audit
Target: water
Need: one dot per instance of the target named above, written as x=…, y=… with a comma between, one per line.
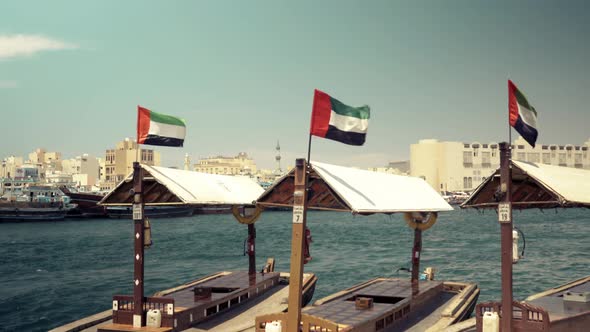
x=52, y=273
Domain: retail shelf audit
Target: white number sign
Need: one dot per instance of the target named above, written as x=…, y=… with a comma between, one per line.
x=297, y=214
x=504, y=212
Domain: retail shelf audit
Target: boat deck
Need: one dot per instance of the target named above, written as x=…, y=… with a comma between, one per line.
x=394, y=306
x=247, y=297
x=559, y=308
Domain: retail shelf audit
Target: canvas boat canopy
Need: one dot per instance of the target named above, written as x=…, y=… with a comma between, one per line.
x=358, y=191
x=536, y=186
x=168, y=186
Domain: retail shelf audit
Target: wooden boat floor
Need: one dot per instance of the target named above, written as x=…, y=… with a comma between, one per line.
x=557, y=308
x=388, y=295
x=242, y=318
x=237, y=280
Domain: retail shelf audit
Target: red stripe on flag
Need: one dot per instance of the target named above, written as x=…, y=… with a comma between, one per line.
x=143, y=124
x=512, y=104
x=320, y=115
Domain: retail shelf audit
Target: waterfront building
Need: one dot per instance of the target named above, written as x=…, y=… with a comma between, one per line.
x=119, y=162
x=238, y=165
x=457, y=166
x=28, y=171
x=9, y=166
x=84, y=170
x=59, y=178
x=45, y=160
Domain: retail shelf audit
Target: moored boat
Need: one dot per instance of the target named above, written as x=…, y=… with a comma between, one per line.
x=380, y=304
x=526, y=185
x=218, y=302
x=35, y=203
x=86, y=204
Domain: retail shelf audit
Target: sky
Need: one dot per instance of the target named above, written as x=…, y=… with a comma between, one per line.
x=242, y=73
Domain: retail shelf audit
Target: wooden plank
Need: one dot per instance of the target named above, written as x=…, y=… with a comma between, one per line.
x=128, y=328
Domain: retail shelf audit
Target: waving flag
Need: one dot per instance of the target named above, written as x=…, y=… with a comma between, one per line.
x=159, y=129
x=334, y=120
x=521, y=115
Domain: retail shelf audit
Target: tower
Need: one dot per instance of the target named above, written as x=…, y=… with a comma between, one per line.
x=187, y=162
x=278, y=158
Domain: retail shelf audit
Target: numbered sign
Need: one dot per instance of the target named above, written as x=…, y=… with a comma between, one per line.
x=297, y=214
x=504, y=212
x=137, y=212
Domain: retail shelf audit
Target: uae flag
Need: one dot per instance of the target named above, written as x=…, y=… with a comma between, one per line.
x=159, y=129
x=334, y=120
x=522, y=116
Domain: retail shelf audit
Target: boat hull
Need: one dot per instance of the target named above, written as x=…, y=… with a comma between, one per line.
x=31, y=211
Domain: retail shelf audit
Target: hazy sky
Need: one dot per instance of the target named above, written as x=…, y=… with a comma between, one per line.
x=242, y=73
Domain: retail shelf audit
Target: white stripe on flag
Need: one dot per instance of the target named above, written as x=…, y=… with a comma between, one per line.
x=349, y=123
x=166, y=130
x=527, y=116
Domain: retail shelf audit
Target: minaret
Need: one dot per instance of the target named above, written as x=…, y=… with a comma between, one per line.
x=278, y=158
x=187, y=162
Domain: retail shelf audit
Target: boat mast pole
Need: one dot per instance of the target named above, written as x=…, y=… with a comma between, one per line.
x=505, y=218
x=297, y=241
x=416, y=252
x=251, y=250
x=138, y=259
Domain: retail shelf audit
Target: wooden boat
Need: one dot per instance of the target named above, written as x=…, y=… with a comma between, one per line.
x=381, y=304
x=218, y=302
x=86, y=204
x=35, y=203
x=525, y=186
x=31, y=211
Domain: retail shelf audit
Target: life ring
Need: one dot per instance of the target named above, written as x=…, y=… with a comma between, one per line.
x=420, y=220
x=247, y=220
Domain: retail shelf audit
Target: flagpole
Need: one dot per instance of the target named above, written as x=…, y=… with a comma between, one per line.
x=309, y=149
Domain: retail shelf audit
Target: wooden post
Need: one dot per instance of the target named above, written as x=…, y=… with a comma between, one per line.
x=505, y=219
x=138, y=259
x=416, y=252
x=251, y=249
x=297, y=240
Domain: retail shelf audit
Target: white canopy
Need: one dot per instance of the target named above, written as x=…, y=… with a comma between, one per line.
x=197, y=188
x=572, y=184
x=367, y=191
x=339, y=188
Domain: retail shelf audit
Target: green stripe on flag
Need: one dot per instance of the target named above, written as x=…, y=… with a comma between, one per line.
x=167, y=119
x=362, y=112
x=521, y=99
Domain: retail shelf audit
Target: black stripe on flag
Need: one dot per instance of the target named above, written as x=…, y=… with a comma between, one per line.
x=527, y=132
x=163, y=141
x=345, y=137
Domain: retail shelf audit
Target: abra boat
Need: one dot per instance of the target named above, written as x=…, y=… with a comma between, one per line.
x=380, y=304
x=526, y=185
x=223, y=301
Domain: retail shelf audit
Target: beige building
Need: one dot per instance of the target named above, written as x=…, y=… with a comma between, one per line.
x=456, y=166
x=85, y=170
x=46, y=160
x=238, y=165
x=119, y=162
x=9, y=166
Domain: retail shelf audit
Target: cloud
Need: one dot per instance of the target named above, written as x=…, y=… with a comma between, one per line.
x=8, y=84
x=12, y=46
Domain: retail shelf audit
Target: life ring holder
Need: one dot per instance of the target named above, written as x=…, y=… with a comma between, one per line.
x=246, y=220
x=420, y=220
